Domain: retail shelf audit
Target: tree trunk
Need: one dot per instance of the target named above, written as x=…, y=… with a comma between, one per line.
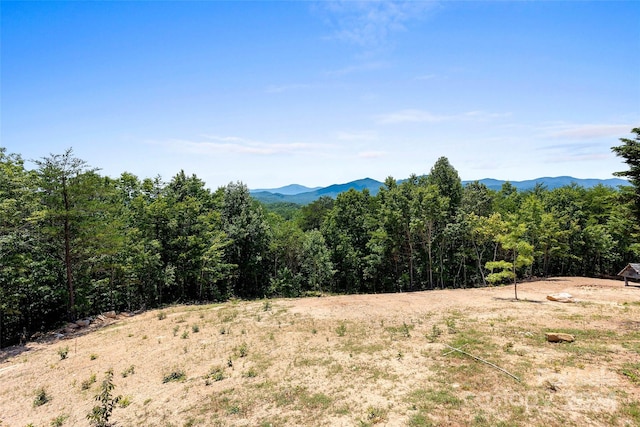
x=67, y=251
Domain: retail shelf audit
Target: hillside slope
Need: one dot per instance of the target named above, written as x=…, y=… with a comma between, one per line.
x=349, y=360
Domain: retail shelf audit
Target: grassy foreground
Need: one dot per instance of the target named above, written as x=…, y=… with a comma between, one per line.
x=347, y=361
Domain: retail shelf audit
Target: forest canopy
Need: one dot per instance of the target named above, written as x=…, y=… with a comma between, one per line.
x=75, y=243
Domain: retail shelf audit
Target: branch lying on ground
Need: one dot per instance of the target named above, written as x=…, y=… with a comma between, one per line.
x=483, y=361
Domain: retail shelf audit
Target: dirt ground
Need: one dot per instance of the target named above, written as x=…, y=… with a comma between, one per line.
x=384, y=359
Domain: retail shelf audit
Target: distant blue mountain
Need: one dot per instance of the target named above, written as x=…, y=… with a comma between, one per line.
x=302, y=195
x=552, y=182
x=287, y=190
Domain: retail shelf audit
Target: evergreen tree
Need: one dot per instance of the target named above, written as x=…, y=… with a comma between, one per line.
x=630, y=151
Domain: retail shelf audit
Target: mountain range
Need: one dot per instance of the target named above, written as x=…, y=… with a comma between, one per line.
x=302, y=195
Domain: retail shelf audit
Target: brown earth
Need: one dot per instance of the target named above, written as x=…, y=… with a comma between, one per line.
x=383, y=359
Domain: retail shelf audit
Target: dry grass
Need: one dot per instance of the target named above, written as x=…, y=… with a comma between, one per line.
x=349, y=361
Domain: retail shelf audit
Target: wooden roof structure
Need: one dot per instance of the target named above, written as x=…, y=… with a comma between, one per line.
x=631, y=271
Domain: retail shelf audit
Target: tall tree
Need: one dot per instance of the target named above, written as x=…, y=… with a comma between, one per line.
x=630, y=151
x=244, y=223
x=64, y=197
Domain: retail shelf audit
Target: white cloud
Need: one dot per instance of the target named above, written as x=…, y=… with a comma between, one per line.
x=285, y=88
x=423, y=116
x=237, y=145
x=357, y=136
x=371, y=154
x=588, y=131
x=426, y=77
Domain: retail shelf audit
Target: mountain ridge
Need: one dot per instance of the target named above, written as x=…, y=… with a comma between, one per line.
x=298, y=194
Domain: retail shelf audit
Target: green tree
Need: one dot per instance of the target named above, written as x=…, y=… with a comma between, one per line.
x=313, y=214
x=243, y=221
x=18, y=247
x=316, y=261
x=629, y=150
x=346, y=230
x=69, y=210
x=518, y=254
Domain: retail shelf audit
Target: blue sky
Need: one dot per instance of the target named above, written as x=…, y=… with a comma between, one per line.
x=316, y=93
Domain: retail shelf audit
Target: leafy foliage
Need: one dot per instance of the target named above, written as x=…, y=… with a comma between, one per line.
x=101, y=413
x=74, y=243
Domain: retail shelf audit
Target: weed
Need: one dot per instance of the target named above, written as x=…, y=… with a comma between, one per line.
x=59, y=420
x=419, y=420
x=185, y=335
x=144, y=337
x=242, y=350
x=125, y=401
x=376, y=415
x=100, y=414
x=314, y=331
x=632, y=410
x=174, y=375
x=435, y=333
x=216, y=374
x=41, y=397
x=341, y=330
x=404, y=330
x=266, y=306
x=162, y=315
x=251, y=373
x=175, y=330
x=451, y=325
x=631, y=371
x=223, y=331
x=86, y=384
x=195, y=328
x=63, y=352
x=129, y=371
x=93, y=356
x=317, y=400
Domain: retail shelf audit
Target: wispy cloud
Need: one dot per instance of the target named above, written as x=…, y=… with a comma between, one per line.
x=587, y=131
x=371, y=154
x=426, y=77
x=357, y=136
x=286, y=88
x=370, y=23
x=213, y=145
x=423, y=116
x=572, y=152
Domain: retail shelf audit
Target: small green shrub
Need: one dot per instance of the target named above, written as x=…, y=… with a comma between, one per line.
x=100, y=414
x=341, y=330
x=242, y=350
x=174, y=375
x=63, y=352
x=175, y=330
x=162, y=315
x=41, y=397
x=185, y=335
x=86, y=384
x=215, y=374
x=125, y=401
x=129, y=371
x=93, y=356
x=59, y=420
x=195, y=328
x=251, y=373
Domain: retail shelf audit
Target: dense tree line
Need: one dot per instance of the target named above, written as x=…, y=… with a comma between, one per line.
x=75, y=243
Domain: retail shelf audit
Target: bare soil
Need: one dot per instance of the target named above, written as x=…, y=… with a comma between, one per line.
x=354, y=360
